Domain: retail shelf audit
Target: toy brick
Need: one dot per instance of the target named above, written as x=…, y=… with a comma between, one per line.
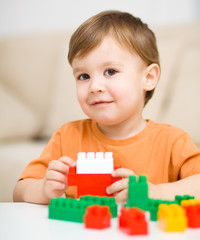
x=92, y=191
x=73, y=210
x=190, y=202
x=97, y=217
x=67, y=209
x=179, y=198
x=100, y=156
x=192, y=209
x=132, y=221
x=171, y=217
x=90, y=163
x=90, y=184
x=153, y=205
x=138, y=192
x=102, y=201
x=81, y=156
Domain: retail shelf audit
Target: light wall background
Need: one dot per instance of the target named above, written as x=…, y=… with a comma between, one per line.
x=28, y=16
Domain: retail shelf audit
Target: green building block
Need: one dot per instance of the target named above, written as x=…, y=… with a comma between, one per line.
x=184, y=197
x=109, y=201
x=153, y=205
x=67, y=209
x=73, y=210
x=138, y=192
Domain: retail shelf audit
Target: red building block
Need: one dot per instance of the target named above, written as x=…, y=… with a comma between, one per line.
x=90, y=184
x=97, y=216
x=193, y=215
x=132, y=221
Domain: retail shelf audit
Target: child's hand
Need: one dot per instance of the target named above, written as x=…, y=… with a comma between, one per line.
x=120, y=188
x=55, y=181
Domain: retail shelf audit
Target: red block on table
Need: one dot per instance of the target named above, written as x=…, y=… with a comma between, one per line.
x=98, y=217
x=193, y=215
x=132, y=221
x=90, y=184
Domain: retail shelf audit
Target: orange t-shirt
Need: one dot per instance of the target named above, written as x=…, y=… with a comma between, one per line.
x=161, y=152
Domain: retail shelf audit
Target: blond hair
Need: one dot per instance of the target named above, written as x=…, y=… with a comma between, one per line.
x=128, y=30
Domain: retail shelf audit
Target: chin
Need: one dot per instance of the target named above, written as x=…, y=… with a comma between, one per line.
x=106, y=122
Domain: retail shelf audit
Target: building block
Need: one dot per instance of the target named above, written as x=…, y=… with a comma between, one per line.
x=102, y=201
x=179, y=198
x=90, y=184
x=97, y=217
x=190, y=202
x=138, y=192
x=73, y=210
x=94, y=163
x=67, y=209
x=153, y=205
x=171, y=217
x=192, y=209
x=132, y=221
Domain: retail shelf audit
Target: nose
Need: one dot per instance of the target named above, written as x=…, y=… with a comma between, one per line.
x=97, y=85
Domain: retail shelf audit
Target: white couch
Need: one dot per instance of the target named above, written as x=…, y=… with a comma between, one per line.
x=37, y=93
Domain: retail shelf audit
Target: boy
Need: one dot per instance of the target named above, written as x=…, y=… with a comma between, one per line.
x=115, y=62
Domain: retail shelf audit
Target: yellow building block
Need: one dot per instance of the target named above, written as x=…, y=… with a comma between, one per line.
x=189, y=202
x=171, y=217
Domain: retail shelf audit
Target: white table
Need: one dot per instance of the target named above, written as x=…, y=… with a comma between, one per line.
x=30, y=221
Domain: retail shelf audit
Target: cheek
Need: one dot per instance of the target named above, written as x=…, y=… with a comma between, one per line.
x=81, y=95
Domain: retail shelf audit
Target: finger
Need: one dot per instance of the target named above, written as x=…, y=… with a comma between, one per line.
x=56, y=176
x=122, y=172
x=54, y=185
x=58, y=166
x=68, y=161
x=117, y=186
x=121, y=196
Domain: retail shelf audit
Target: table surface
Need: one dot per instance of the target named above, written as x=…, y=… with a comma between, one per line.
x=30, y=221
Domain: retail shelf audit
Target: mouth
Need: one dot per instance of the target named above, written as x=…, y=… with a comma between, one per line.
x=101, y=103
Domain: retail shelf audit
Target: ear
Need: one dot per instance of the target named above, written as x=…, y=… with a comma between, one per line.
x=151, y=77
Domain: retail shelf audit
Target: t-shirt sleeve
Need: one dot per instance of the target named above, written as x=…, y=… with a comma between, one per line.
x=185, y=158
x=37, y=168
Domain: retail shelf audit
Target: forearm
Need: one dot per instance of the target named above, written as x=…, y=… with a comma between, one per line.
x=30, y=190
x=189, y=186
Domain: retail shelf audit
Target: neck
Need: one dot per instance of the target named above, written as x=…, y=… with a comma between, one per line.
x=123, y=130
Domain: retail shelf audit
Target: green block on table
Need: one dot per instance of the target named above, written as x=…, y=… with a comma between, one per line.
x=138, y=192
x=67, y=209
x=73, y=210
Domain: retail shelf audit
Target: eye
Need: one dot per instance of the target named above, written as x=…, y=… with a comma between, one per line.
x=110, y=72
x=83, y=77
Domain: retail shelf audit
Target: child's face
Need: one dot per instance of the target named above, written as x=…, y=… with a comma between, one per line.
x=110, y=83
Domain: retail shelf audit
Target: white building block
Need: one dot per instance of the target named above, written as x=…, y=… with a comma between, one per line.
x=92, y=163
x=81, y=155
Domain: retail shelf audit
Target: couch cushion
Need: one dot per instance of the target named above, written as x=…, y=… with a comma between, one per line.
x=14, y=158
x=26, y=76
x=64, y=106
x=177, y=95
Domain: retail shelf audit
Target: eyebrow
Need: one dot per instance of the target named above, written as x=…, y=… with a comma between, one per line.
x=105, y=64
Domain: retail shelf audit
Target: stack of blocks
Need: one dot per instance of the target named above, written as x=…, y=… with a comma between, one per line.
x=132, y=219
x=91, y=177
x=90, y=174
